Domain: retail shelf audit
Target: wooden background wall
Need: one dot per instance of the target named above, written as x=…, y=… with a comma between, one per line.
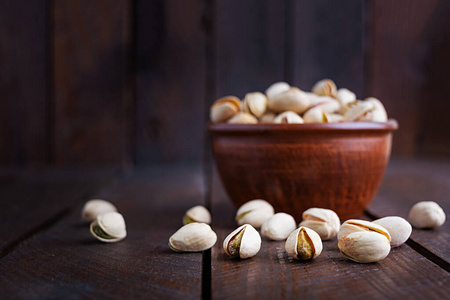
x=97, y=82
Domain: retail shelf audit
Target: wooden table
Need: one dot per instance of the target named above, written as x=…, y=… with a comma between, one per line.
x=47, y=252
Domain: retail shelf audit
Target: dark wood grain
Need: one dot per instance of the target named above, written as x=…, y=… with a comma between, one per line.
x=67, y=262
x=170, y=86
x=92, y=82
x=23, y=83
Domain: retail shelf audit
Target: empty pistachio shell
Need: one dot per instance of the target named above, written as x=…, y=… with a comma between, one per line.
x=323, y=221
x=193, y=237
x=399, y=229
x=358, y=112
x=255, y=103
x=243, y=118
x=325, y=87
x=224, y=108
x=268, y=117
x=354, y=225
x=426, y=214
x=197, y=214
x=364, y=246
x=288, y=117
x=303, y=244
x=378, y=112
x=345, y=96
x=96, y=207
x=254, y=212
x=244, y=242
x=278, y=227
x=277, y=88
x=292, y=99
x=109, y=227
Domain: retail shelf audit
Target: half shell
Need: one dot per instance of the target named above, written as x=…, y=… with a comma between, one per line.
x=109, y=227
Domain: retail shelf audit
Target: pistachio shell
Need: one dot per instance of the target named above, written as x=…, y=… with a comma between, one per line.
x=364, y=246
x=268, y=117
x=292, y=99
x=277, y=88
x=378, y=112
x=93, y=208
x=325, y=87
x=243, y=118
x=345, y=96
x=315, y=115
x=399, y=229
x=288, y=117
x=255, y=103
x=244, y=242
x=334, y=118
x=254, y=212
x=109, y=227
x=323, y=221
x=354, y=225
x=358, y=111
x=224, y=108
x=303, y=244
x=193, y=237
x=327, y=104
x=426, y=214
x=278, y=227
x=197, y=214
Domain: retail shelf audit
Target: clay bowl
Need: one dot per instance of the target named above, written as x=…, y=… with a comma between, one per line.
x=297, y=166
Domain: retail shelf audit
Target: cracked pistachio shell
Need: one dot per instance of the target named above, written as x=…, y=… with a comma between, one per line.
x=255, y=103
x=323, y=221
x=193, y=237
x=277, y=88
x=197, y=214
x=293, y=99
x=360, y=111
x=345, y=96
x=278, y=227
x=268, y=117
x=109, y=227
x=224, y=108
x=303, y=244
x=93, y=208
x=426, y=214
x=354, y=225
x=244, y=242
x=243, y=118
x=378, y=112
x=399, y=229
x=288, y=117
x=327, y=104
x=254, y=212
x=364, y=246
x=325, y=87
x=315, y=115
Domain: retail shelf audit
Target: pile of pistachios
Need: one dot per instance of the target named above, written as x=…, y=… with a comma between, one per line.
x=283, y=103
x=358, y=240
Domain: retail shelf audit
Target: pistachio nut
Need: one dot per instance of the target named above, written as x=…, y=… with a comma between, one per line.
x=345, y=96
x=109, y=227
x=426, y=214
x=224, y=108
x=244, y=242
x=323, y=221
x=277, y=88
x=255, y=104
x=303, y=244
x=193, y=237
x=334, y=118
x=325, y=87
x=254, y=212
x=327, y=104
x=364, y=246
x=293, y=99
x=197, y=214
x=288, y=117
x=378, y=113
x=243, y=118
x=268, y=117
x=315, y=115
x=399, y=229
x=360, y=111
x=354, y=225
x=278, y=227
x=93, y=208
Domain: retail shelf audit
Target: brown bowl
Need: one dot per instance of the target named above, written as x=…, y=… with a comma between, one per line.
x=297, y=166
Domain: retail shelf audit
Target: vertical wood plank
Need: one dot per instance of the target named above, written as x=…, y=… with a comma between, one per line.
x=92, y=81
x=170, y=83
x=23, y=87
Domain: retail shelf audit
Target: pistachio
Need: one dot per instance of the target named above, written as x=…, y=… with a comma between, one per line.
x=109, y=227
x=268, y=117
x=278, y=227
x=193, y=237
x=378, y=112
x=288, y=117
x=334, y=118
x=345, y=96
x=96, y=207
x=243, y=118
x=197, y=214
x=224, y=108
x=254, y=212
x=325, y=87
x=255, y=103
x=293, y=99
x=360, y=111
x=426, y=214
x=399, y=229
x=364, y=246
x=244, y=242
x=323, y=221
x=315, y=115
x=303, y=244
x=277, y=88
x=353, y=225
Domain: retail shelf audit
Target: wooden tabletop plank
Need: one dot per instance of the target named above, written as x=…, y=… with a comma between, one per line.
x=67, y=262
x=272, y=274
x=407, y=182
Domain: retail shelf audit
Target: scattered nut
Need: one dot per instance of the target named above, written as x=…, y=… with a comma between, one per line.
x=364, y=246
x=399, y=229
x=323, y=221
x=197, y=214
x=353, y=225
x=193, y=237
x=93, y=208
x=278, y=227
x=303, y=244
x=109, y=227
x=254, y=212
x=426, y=214
x=244, y=242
